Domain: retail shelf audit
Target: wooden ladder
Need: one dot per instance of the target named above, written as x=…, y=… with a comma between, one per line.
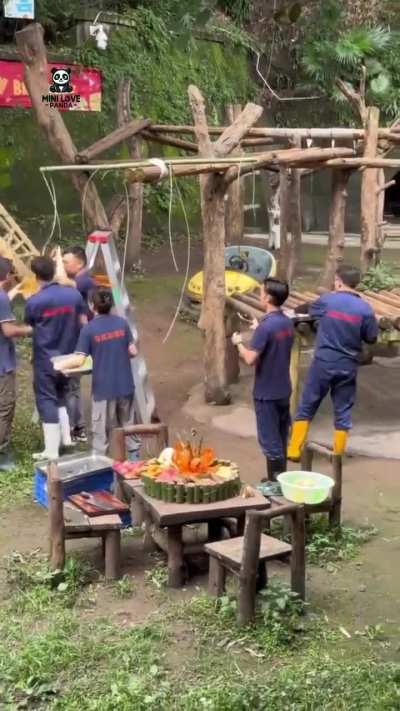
x=15, y=244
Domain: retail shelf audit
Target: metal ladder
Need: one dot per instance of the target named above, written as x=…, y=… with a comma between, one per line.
x=103, y=240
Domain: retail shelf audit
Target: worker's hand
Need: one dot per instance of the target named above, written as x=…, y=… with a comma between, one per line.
x=236, y=338
x=133, y=351
x=14, y=291
x=254, y=324
x=58, y=366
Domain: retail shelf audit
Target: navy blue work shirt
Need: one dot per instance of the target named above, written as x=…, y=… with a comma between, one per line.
x=7, y=348
x=55, y=313
x=273, y=340
x=345, y=321
x=84, y=284
x=107, y=339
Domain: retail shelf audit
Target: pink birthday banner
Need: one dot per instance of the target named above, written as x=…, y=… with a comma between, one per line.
x=71, y=87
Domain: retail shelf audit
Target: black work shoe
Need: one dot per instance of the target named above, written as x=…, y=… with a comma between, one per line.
x=78, y=434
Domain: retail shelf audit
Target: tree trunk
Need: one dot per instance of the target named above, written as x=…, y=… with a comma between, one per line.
x=274, y=210
x=32, y=51
x=284, y=222
x=340, y=179
x=135, y=190
x=234, y=214
x=369, y=194
x=212, y=194
x=380, y=229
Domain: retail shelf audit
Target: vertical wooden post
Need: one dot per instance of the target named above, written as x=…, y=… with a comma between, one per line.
x=135, y=189
x=216, y=577
x=369, y=195
x=335, y=512
x=298, y=557
x=380, y=226
x=249, y=568
x=176, y=567
x=295, y=219
x=117, y=445
x=56, y=518
x=337, y=214
x=212, y=199
x=284, y=219
x=234, y=212
x=307, y=457
x=112, y=555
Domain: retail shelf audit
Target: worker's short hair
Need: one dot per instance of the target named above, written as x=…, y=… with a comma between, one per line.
x=43, y=268
x=5, y=268
x=349, y=275
x=78, y=252
x=277, y=289
x=102, y=300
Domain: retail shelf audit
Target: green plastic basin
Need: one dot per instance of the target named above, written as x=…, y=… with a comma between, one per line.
x=305, y=487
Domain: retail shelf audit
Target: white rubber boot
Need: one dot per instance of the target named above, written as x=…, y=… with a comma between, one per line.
x=52, y=439
x=66, y=440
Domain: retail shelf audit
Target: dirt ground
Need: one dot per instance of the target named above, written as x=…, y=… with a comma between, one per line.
x=355, y=594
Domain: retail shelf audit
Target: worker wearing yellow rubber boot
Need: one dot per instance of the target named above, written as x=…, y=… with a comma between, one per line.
x=345, y=321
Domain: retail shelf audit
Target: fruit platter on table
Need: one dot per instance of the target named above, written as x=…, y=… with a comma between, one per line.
x=185, y=473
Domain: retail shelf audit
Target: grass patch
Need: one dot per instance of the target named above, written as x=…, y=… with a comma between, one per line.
x=326, y=546
x=53, y=658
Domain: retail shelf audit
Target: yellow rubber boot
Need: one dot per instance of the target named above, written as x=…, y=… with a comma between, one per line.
x=340, y=441
x=298, y=437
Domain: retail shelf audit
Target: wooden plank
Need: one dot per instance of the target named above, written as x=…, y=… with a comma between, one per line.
x=231, y=549
x=165, y=514
x=113, y=139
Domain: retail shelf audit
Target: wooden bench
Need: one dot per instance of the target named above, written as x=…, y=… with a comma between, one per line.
x=69, y=522
x=246, y=557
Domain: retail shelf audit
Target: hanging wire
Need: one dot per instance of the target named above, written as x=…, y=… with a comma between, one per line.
x=56, y=218
x=171, y=195
x=253, y=199
x=84, y=195
x=186, y=277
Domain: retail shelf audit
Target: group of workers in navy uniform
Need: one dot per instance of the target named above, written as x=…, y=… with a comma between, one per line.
x=76, y=322
x=345, y=321
x=63, y=320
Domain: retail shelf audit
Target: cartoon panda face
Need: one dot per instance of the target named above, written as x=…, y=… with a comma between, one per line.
x=61, y=77
x=61, y=80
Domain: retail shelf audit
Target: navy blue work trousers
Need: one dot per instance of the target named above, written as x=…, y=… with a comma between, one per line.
x=322, y=378
x=273, y=424
x=50, y=394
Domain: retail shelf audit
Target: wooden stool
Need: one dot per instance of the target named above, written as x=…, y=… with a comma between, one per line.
x=246, y=557
x=333, y=505
x=226, y=556
x=67, y=521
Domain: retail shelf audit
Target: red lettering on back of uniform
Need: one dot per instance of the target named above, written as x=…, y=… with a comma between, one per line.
x=343, y=316
x=109, y=336
x=57, y=311
x=281, y=335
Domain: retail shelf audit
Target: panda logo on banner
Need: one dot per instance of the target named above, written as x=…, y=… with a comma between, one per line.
x=61, y=94
x=61, y=81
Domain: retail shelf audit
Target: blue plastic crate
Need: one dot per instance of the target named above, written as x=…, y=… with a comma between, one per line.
x=98, y=475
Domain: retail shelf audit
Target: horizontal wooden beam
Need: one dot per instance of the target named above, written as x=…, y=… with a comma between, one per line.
x=166, y=140
x=363, y=163
x=113, y=139
x=286, y=133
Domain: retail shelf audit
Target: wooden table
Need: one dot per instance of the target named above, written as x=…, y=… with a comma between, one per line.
x=175, y=516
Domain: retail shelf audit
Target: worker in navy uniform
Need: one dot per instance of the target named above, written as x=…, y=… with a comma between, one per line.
x=269, y=351
x=108, y=340
x=56, y=314
x=345, y=321
x=9, y=330
x=75, y=264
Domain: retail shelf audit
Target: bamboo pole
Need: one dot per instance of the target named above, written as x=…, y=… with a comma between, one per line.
x=369, y=198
